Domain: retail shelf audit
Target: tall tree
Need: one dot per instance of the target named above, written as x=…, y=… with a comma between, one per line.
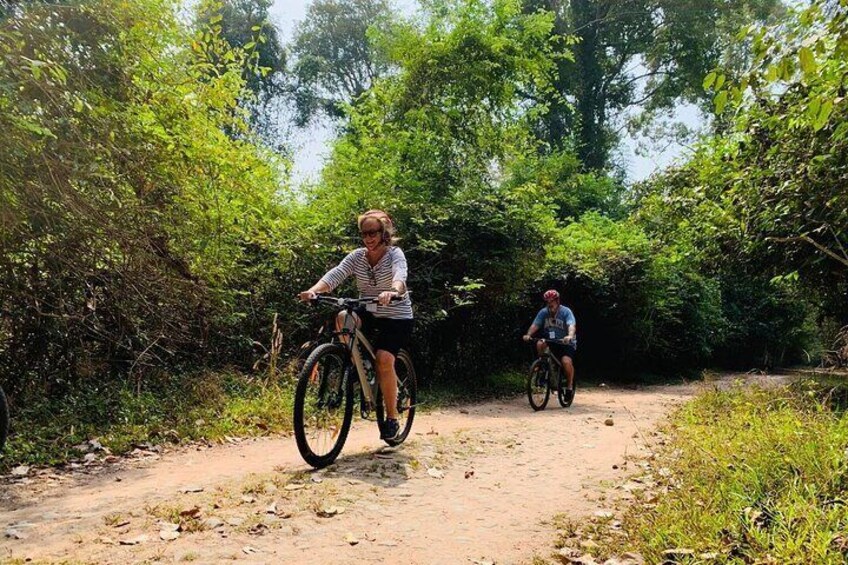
x=633, y=53
x=336, y=61
x=245, y=24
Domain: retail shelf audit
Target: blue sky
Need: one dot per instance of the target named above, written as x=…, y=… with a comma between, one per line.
x=312, y=145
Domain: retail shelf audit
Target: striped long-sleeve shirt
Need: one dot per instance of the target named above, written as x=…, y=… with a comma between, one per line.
x=371, y=281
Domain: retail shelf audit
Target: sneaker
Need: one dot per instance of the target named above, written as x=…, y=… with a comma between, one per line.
x=569, y=395
x=390, y=430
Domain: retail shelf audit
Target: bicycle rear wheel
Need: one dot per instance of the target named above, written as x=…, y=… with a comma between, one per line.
x=538, y=384
x=4, y=419
x=323, y=405
x=407, y=397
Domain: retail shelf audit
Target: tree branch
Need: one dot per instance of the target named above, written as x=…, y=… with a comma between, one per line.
x=646, y=75
x=814, y=243
x=645, y=98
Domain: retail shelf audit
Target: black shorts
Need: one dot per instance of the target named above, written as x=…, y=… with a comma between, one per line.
x=561, y=350
x=388, y=334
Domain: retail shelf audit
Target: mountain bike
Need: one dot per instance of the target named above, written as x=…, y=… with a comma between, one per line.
x=4, y=419
x=546, y=376
x=328, y=383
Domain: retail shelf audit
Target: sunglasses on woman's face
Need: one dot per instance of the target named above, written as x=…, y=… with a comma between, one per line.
x=370, y=233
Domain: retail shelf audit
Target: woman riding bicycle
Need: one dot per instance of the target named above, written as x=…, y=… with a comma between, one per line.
x=380, y=271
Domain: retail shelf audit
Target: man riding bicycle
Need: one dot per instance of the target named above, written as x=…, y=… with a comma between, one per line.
x=559, y=324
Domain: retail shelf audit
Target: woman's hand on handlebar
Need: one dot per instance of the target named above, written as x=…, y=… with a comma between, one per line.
x=307, y=295
x=526, y=337
x=386, y=297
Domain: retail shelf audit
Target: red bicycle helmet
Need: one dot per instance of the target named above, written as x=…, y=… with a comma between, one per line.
x=550, y=295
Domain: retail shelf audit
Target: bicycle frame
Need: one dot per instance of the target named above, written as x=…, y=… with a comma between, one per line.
x=351, y=336
x=356, y=354
x=548, y=352
x=557, y=366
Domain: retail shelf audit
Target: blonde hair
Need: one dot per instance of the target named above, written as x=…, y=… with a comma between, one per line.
x=385, y=223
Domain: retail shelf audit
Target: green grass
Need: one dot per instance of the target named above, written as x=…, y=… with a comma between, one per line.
x=207, y=406
x=756, y=476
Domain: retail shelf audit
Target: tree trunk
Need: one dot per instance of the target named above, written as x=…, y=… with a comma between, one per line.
x=591, y=141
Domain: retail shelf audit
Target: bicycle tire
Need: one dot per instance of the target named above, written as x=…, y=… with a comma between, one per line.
x=340, y=410
x=538, y=369
x=4, y=419
x=407, y=397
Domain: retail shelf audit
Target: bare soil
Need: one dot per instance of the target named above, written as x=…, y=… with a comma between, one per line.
x=472, y=484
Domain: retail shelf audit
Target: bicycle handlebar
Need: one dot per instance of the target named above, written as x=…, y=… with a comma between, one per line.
x=342, y=302
x=546, y=340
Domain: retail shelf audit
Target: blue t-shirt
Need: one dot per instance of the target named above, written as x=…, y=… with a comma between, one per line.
x=557, y=324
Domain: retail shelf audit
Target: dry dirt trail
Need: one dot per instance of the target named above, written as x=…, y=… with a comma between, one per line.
x=472, y=484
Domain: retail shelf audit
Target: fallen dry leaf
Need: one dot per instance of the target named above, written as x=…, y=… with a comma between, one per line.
x=294, y=486
x=193, y=512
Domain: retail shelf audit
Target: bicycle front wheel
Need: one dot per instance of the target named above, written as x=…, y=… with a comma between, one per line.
x=538, y=384
x=4, y=419
x=323, y=405
x=407, y=397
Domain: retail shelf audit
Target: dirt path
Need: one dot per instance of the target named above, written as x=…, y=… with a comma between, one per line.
x=472, y=484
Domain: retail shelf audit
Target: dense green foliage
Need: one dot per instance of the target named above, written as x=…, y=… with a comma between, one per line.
x=764, y=204
x=131, y=224
x=644, y=304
